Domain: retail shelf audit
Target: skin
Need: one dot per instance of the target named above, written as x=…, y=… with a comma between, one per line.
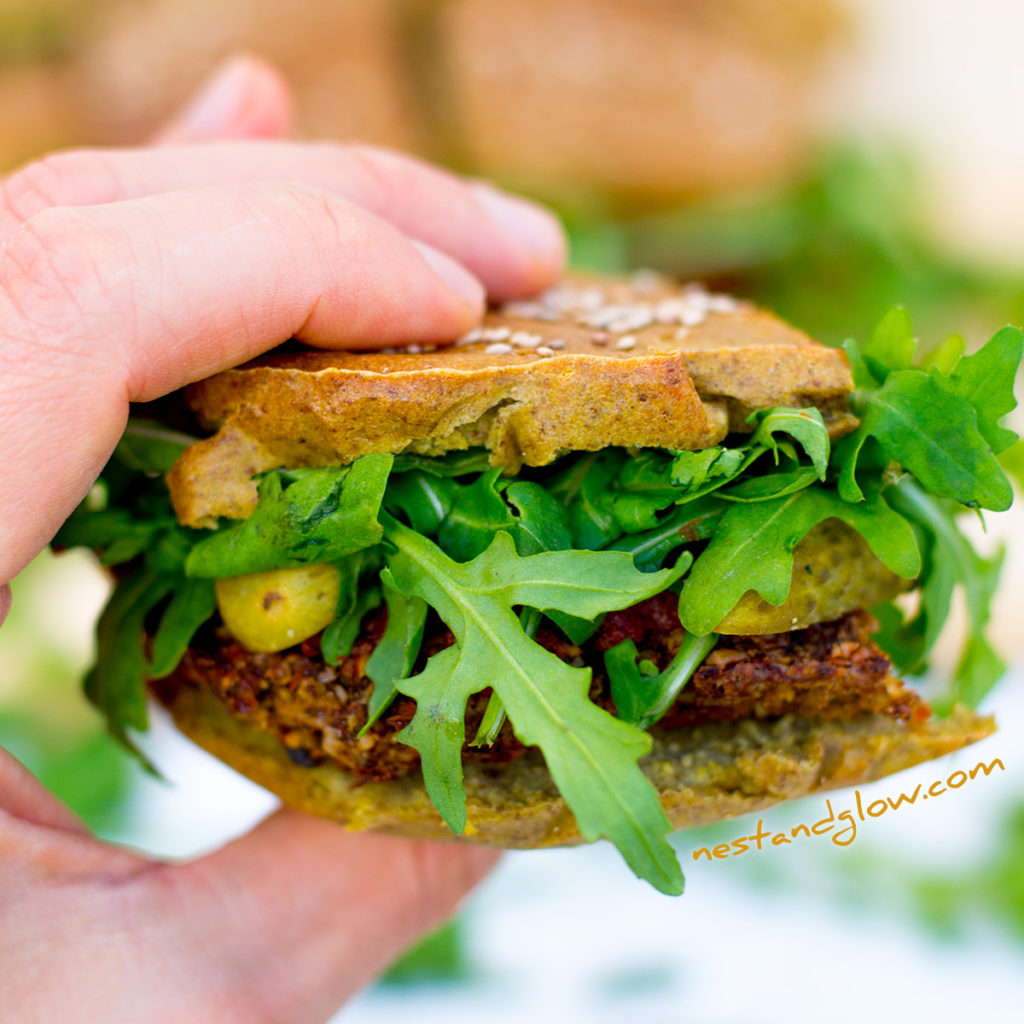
x=125, y=275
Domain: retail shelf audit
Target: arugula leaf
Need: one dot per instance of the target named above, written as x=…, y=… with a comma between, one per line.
x=945, y=355
x=396, y=653
x=933, y=433
x=115, y=684
x=321, y=517
x=194, y=602
x=477, y=514
x=591, y=516
x=543, y=525
x=986, y=380
x=697, y=473
x=689, y=523
x=357, y=595
x=891, y=344
x=951, y=562
x=643, y=698
x=752, y=549
x=450, y=464
x=805, y=426
x=115, y=534
x=150, y=447
x=426, y=500
x=771, y=485
x=592, y=756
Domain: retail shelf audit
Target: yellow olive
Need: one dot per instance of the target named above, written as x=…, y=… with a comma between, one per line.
x=269, y=611
x=834, y=572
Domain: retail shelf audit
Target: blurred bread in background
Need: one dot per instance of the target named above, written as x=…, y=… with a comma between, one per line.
x=619, y=103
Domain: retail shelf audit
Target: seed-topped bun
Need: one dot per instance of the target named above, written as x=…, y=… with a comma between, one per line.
x=588, y=365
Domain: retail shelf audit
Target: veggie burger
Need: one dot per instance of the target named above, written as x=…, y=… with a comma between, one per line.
x=611, y=564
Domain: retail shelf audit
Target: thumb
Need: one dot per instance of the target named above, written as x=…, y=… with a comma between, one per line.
x=314, y=912
x=245, y=98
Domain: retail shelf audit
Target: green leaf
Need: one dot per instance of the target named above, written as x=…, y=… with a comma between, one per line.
x=450, y=464
x=805, y=426
x=477, y=514
x=194, y=602
x=115, y=534
x=321, y=517
x=116, y=684
x=642, y=700
x=424, y=499
x=693, y=472
x=932, y=433
x=149, y=447
x=771, y=485
x=862, y=375
x=752, y=549
x=542, y=524
x=944, y=356
x=952, y=561
x=591, y=516
x=397, y=651
x=986, y=380
x=591, y=755
x=891, y=345
x=691, y=522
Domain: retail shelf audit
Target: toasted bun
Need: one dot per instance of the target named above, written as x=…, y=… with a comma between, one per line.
x=703, y=774
x=591, y=364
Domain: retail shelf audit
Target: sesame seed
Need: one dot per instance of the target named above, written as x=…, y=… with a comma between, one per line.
x=692, y=317
x=626, y=342
x=722, y=304
x=545, y=351
x=682, y=333
x=495, y=334
x=523, y=339
x=414, y=349
x=600, y=339
x=498, y=349
x=471, y=337
x=556, y=343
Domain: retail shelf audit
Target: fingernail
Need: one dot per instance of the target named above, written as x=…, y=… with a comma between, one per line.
x=455, y=276
x=220, y=102
x=532, y=226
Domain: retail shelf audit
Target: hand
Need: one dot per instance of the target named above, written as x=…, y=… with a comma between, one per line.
x=125, y=275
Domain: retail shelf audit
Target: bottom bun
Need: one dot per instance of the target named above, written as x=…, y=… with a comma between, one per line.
x=704, y=774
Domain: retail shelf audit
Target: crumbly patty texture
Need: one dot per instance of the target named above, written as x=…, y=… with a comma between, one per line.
x=827, y=671
x=702, y=775
x=588, y=365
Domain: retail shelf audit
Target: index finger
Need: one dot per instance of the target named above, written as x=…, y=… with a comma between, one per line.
x=104, y=305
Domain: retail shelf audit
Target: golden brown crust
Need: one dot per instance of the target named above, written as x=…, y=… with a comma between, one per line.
x=704, y=774
x=589, y=365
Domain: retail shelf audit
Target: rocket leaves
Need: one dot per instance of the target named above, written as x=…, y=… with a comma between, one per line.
x=941, y=427
x=752, y=549
x=324, y=515
x=591, y=755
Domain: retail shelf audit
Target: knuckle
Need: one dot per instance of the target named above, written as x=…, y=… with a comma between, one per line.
x=392, y=183
x=68, y=178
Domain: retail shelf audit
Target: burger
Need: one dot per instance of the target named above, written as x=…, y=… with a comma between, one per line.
x=626, y=558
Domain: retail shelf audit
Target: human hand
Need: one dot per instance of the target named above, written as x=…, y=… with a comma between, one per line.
x=125, y=275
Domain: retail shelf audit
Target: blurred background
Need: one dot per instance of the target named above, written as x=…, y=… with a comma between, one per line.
x=827, y=157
